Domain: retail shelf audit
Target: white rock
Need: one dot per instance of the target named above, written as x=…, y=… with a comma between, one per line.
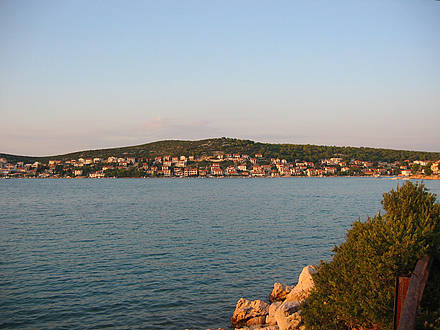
x=287, y=316
x=265, y=327
x=279, y=292
x=270, y=318
x=305, y=284
x=256, y=321
x=249, y=312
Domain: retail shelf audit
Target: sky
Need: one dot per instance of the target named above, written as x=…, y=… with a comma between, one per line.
x=77, y=74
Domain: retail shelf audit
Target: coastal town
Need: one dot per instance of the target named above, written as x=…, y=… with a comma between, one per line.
x=217, y=165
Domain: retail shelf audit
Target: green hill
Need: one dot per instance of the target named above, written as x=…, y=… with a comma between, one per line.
x=229, y=145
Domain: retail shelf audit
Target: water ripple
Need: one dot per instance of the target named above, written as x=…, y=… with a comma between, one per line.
x=163, y=254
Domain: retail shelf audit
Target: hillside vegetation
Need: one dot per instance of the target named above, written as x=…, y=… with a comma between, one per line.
x=208, y=147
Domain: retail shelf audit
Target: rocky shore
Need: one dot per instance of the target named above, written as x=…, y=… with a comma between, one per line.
x=282, y=312
x=425, y=177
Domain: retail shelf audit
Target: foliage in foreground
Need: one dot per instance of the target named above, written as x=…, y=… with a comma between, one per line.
x=356, y=288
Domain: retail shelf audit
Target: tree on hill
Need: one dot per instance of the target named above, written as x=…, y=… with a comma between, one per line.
x=427, y=169
x=356, y=288
x=416, y=168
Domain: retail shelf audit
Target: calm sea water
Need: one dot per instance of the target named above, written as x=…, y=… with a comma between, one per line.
x=164, y=253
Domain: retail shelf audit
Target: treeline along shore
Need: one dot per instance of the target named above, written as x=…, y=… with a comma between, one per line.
x=224, y=157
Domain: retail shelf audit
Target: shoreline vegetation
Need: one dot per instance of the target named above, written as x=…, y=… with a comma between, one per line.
x=225, y=158
x=355, y=290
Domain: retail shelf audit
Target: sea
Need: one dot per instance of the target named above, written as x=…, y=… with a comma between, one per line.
x=165, y=253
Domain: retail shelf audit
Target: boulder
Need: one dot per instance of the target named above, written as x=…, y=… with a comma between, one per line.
x=287, y=316
x=270, y=318
x=263, y=327
x=305, y=285
x=249, y=312
x=256, y=321
x=279, y=292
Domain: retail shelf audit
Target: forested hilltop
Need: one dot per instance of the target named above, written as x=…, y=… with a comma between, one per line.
x=290, y=152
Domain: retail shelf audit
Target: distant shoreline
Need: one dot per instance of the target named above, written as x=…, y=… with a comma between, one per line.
x=391, y=177
x=424, y=177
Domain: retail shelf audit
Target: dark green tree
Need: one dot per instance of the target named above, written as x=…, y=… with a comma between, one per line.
x=416, y=168
x=356, y=288
x=427, y=170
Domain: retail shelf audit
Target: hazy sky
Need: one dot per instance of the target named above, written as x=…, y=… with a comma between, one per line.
x=79, y=75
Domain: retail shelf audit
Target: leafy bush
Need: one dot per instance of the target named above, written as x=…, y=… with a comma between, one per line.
x=356, y=288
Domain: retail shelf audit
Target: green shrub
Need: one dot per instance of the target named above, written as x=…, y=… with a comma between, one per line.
x=356, y=288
